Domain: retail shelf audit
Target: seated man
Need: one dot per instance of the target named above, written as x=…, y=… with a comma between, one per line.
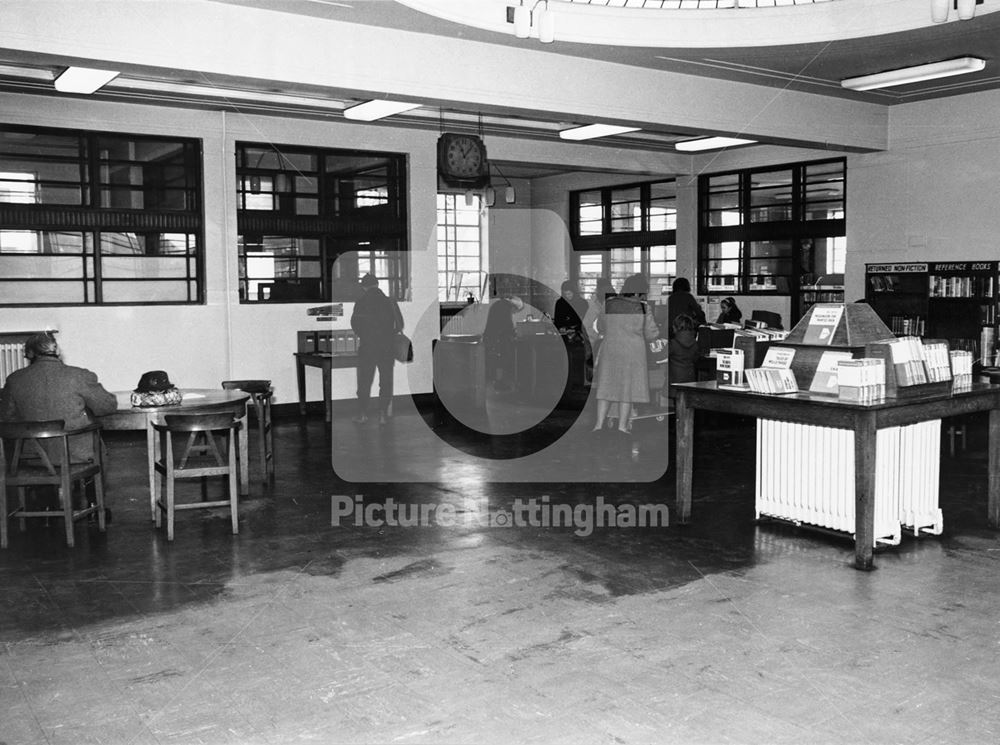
x=49, y=389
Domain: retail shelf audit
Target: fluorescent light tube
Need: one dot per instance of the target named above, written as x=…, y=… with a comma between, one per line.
x=369, y=111
x=710, y=143
x=83, y=79
x=590, y=131
x=905, y=75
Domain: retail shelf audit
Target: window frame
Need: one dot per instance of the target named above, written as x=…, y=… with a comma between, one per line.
x=749, y=232
x=450, y=245
x=90, y=220
x=609, y=239
x=340, y=228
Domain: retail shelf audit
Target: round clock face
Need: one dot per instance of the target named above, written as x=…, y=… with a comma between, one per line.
x=463, y=157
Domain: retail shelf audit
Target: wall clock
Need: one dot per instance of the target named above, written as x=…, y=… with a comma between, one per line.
x=462, y=160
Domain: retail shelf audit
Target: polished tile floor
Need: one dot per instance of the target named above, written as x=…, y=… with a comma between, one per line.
x=474, y=630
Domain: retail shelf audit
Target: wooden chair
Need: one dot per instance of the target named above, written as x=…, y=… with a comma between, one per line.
x=198, y=460
x=261, y=394
x=32, y=464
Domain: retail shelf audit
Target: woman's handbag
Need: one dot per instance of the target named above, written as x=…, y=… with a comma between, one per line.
x=657, y=352
x=402, y=347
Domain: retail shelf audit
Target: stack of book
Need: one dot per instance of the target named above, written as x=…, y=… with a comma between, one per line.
x=987, y=343
x=906, y=355
x=775, y=375
x=961, y=368
x=861, y=380
x=937, y=361
x=771, y=380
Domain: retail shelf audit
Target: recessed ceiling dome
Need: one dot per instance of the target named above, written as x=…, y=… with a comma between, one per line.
x=697, y=23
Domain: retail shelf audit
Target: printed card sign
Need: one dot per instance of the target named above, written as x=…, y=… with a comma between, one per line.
x=779, y=358
x=825, y=379
x=822, y=323
x=729, y=366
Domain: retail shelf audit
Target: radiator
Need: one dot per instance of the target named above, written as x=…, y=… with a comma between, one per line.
x=805, y=474
x=11, y=358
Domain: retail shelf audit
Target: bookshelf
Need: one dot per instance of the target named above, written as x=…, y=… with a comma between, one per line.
x=821, y=292
x=953, y=300
x=899, y=295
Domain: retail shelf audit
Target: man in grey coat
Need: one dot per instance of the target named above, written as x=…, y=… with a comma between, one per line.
x=49, y=389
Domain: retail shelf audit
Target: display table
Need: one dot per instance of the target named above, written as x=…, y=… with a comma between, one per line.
x=194, y=401
x=326, y=361
x=827, y=411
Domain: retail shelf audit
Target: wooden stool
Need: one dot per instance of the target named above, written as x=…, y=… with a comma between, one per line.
x=261, y=394
x=197, y=426
x=31, y=464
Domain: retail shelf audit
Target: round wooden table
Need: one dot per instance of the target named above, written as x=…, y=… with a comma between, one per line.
x=193, y=401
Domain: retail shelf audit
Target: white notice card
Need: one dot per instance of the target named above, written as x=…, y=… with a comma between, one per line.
x=822, y=323
x=779, y=357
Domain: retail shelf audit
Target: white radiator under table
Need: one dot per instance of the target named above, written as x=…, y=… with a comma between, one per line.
x=805, y=474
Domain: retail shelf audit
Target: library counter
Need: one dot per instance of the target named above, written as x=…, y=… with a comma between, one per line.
x=828, y=411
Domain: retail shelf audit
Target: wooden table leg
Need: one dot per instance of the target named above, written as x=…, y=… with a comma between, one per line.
x=152, y=442
x=993, y=479
x=300, y=374
x=865, y=438
x=242, y=438
x=328, y=390
x=685, y=456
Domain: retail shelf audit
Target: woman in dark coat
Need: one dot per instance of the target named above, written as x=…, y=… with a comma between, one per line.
x=683, y=351
x=681, y=301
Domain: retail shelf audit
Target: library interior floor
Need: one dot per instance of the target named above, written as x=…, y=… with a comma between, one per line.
x=724, y=630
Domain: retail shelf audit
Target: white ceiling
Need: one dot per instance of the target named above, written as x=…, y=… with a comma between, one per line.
x=813, y=67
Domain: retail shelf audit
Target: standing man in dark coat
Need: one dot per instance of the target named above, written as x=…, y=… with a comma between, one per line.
x=376, y=320
x=48, y=389
x=499, y=337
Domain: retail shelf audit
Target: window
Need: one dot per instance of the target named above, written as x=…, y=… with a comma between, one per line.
x=312, y=221
x=772, y=230
x=623, y=230
x=97, y=218
x=462, y=252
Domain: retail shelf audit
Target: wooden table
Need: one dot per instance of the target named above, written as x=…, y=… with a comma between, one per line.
x=194, y=401
x=826, y=411
x=326, y=362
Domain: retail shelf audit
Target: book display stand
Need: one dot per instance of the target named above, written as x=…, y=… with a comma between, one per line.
x=807, y=469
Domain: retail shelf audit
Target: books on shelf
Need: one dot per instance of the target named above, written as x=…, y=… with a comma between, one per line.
x=937, y=361
x=987, y=344
x=961, y=368
x=861, y=380
x=907, y=325
x=967, y=285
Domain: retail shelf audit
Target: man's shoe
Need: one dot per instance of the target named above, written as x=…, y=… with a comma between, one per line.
x=383, y=419
x=359, y=419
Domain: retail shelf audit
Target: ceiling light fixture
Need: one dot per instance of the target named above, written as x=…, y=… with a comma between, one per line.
x=377, y=108
x=710, y=143
x=905, y=75
x=590, y=131
x=83, y=79
x=530, y=17
x=966, y=9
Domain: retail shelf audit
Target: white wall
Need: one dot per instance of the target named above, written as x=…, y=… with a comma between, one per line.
x=933, y=195
x=199, y=346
